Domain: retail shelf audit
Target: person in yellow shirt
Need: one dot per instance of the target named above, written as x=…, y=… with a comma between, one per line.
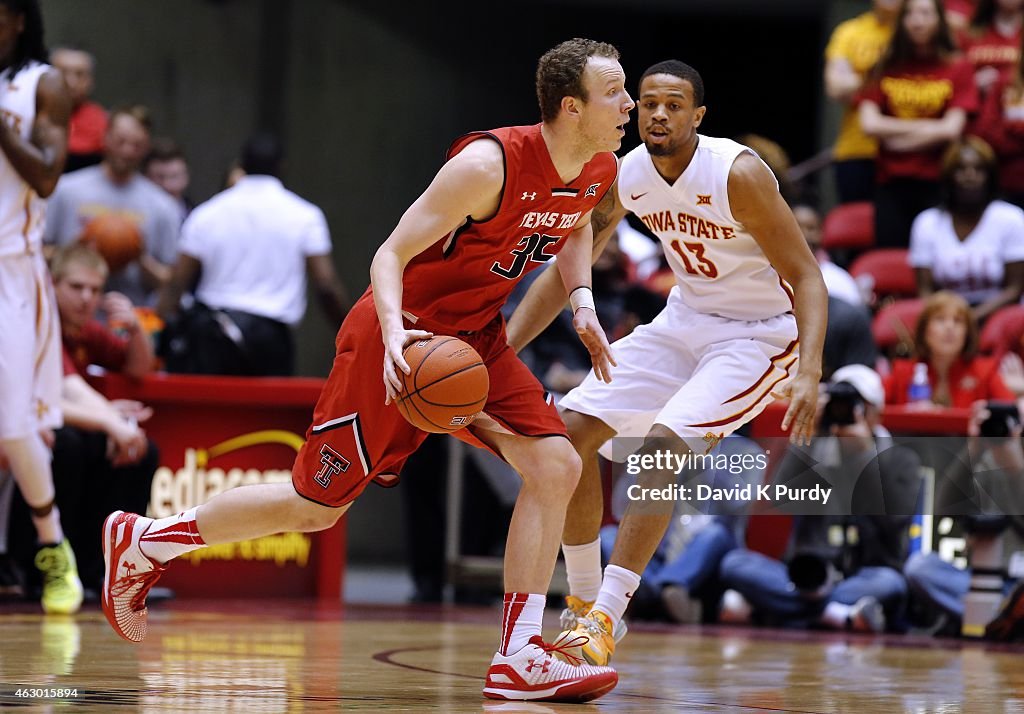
x=854, y=48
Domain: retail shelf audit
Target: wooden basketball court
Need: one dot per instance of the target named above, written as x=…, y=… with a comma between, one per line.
x=291, y=656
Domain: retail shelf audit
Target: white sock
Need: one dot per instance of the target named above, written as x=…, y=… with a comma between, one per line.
x=170, y=537
x=618, y=588
x=48, y=529
x=835, y=615
x=583, y=569
x=522, y=616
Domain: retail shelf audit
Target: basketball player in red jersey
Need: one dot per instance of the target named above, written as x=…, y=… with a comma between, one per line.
x=503, y=204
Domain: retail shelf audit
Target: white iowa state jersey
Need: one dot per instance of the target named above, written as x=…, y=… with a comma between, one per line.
x=21, y=209
x=719, y=267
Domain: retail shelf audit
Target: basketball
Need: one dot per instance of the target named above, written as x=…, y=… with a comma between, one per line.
x=115, y=237
x=447, y=386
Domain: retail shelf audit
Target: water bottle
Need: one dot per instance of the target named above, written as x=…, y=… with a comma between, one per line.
x=920, y=388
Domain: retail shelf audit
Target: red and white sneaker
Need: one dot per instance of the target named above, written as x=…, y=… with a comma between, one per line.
x=535, y=673
x=129, y=574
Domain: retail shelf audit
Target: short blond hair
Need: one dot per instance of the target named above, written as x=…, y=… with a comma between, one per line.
x=77, y=254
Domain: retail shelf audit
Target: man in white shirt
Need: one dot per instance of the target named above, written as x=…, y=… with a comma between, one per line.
x=252, y=247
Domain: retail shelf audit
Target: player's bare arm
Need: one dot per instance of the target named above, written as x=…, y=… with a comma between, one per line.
x=547, y=296
x=40, y=160
x=470, y=185
x=573, y=263
x=757, y=204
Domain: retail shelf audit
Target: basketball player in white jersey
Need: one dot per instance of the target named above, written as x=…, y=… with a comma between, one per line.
x=34, y=111
x=722, y=349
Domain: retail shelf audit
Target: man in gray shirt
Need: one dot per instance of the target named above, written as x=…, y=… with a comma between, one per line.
x=116, y=186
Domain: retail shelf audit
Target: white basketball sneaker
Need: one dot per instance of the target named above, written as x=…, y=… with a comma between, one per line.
x=129, y=574
x=535, y=673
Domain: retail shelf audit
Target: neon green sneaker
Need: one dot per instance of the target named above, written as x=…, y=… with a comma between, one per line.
x=62, y=590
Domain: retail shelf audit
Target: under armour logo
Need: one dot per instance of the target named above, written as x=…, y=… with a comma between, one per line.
x=703, y=200
x=529, y=195
x=592, y=190
x=333, y=464
x=544, y=664
x=129, y=567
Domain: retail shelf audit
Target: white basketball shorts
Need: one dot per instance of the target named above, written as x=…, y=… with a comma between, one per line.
x=30, y=348
x=702, y=376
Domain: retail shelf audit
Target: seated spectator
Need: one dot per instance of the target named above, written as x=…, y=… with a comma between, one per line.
x=88, y=121
x=1001, y=124
x=165, y=165
x=79, y=273
x=946, y=340
x=116, y=186
x=992, y=41
x=917, y=101
x=853, y=49
x=850, y=582
x=839, y=283
x=250, y=248
x=971, y=243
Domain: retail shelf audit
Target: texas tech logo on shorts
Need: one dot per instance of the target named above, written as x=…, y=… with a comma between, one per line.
x=333, y=464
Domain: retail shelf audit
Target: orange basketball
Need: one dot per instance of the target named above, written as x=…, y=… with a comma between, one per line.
x=447, y=386
x=115, y=237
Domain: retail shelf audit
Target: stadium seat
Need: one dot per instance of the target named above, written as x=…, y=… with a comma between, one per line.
x=888, y=271
x=1003, y=330
x=893, y=326
x=849, y=226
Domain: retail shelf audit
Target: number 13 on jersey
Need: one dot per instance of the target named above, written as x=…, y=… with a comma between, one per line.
x=695, y=252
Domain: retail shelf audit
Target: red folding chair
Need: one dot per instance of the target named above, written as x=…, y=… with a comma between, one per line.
x=849, y=226
x=889, y=272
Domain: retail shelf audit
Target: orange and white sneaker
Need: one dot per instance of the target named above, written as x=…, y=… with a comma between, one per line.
x=575, y=608
x=535, y=673
x=591, y=639
x=129, y=574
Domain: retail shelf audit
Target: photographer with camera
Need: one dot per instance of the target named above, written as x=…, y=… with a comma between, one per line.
x=843, y=567
x=982, y=487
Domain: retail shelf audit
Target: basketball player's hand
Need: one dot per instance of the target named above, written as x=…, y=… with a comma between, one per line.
x=394, y=342
x=593, y=338
x=799, y=421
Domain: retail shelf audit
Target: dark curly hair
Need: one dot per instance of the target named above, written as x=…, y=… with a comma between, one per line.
x=30, y=44
x=560, y=72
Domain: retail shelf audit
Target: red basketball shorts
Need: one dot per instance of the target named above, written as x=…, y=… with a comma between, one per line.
x=355, y=437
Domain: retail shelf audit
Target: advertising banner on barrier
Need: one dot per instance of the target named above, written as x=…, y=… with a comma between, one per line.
x=217, y=433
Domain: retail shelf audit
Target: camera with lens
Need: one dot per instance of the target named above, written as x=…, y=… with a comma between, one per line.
x=811, y=572
x=843, y=402
x=1003, y=417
